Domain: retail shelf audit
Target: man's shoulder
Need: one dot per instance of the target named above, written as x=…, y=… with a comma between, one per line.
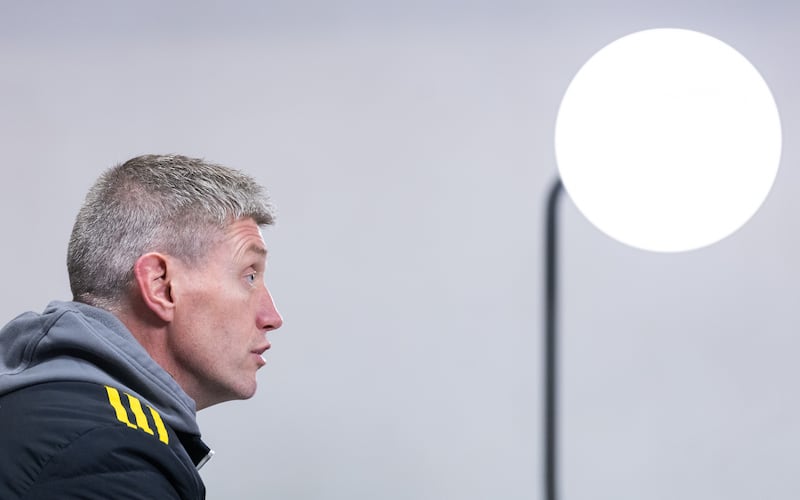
x=71, y=431
x=56, y=413
x=77, y=406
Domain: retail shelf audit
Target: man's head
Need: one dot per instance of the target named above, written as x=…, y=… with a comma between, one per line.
x=170, y=204
x=172, y=245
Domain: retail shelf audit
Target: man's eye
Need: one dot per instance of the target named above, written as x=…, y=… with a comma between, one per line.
x=251, y=278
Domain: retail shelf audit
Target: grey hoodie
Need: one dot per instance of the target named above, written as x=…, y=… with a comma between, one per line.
x=71, y=341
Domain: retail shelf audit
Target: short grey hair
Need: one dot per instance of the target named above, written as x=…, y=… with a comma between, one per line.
x=172, y=204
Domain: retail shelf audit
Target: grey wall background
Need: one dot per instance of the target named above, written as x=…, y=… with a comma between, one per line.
x=408, y=146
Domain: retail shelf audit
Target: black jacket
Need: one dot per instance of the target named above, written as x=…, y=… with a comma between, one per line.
x=85, y=413
x=84, y=440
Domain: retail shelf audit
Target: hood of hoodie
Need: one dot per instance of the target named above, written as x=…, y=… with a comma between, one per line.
x=77, y=342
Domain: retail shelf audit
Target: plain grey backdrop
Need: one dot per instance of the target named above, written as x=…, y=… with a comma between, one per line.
x=408, y=147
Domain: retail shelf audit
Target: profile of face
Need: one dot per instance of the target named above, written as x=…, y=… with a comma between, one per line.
x=222, y=314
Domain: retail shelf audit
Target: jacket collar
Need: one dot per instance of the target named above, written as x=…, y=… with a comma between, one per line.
x=197, y=450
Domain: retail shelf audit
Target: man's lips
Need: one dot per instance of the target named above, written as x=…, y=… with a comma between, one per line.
x=259, y=351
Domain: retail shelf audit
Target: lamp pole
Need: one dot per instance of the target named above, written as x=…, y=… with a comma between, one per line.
x=550, y=342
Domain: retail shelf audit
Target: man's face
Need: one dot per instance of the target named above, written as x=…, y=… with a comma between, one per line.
x=223, y=311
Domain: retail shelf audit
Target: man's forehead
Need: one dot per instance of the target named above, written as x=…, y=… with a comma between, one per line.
x=246, y=237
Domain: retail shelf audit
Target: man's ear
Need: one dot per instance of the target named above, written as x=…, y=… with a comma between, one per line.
x=152, y=275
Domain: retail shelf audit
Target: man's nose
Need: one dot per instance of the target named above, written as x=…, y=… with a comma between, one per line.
x=269, y=318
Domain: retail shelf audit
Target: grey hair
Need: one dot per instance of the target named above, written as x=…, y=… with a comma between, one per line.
x=172, y=204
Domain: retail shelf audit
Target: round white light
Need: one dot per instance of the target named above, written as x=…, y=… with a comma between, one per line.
x=668, y=140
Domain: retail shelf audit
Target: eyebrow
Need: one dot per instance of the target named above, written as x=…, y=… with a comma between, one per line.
x=258, y=249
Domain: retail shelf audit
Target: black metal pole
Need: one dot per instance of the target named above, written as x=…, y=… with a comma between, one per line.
x=550, y=343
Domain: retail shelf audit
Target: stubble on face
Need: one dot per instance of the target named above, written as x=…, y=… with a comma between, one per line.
x=219, y=333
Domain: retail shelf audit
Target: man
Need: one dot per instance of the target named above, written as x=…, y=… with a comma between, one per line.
x=169, y=315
